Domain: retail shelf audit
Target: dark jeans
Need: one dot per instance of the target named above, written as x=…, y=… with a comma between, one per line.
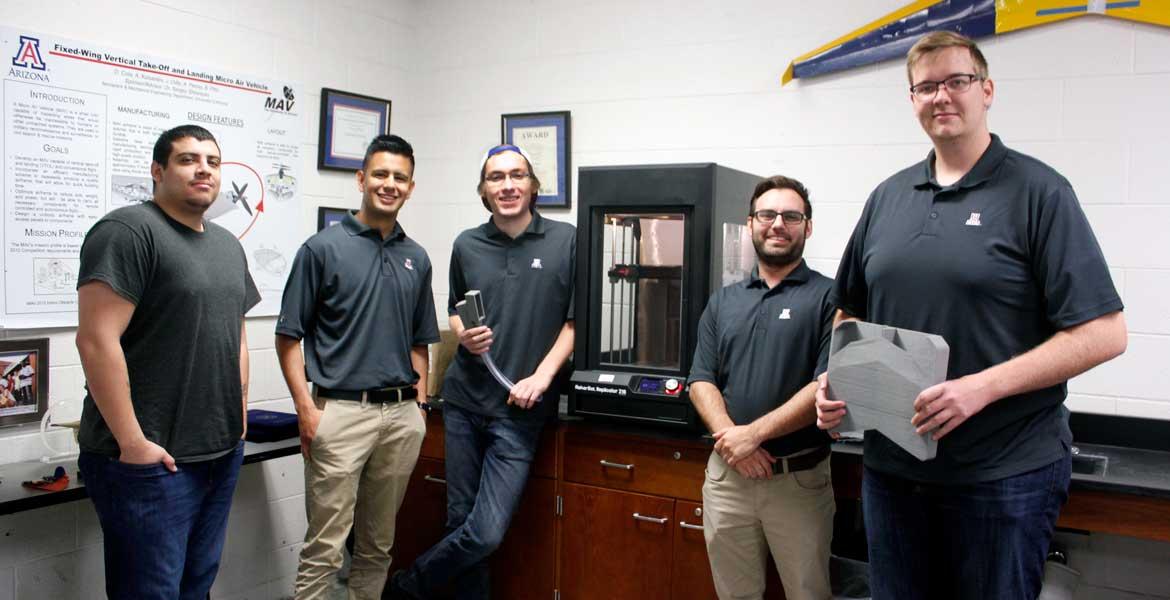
x=487, y=466
x=975, y=541
x=163, y=531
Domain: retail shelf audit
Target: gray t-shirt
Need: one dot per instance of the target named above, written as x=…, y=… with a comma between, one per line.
x=190, y=291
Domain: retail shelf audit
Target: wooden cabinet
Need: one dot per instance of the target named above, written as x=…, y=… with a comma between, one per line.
x=690, y=577
x=615, y=544
x=673, y=469
x=423, y=515
x=604, y=515
x=525, y=565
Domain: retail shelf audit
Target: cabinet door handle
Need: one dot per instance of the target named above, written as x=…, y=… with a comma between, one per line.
x=613, y=465
x=686, y=525
x=434, y=479
x=659, y=520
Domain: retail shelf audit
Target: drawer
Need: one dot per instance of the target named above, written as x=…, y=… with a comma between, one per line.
x=650, y=467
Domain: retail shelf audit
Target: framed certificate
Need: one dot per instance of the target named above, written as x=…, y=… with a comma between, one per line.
x=349, y=122
x=328, y=216
x=545, y=136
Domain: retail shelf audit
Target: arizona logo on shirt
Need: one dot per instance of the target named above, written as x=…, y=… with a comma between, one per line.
x=973, y=220
x=536, y=264
x=409, y=264
x=785, y=313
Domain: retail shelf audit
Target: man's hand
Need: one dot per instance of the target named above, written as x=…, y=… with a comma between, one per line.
x=943, y=407
x=829, y=412
x=307, y=421
x=476, y=340
x=736, y=443
x=528, y=391
x=147, y=452
x=757, y=465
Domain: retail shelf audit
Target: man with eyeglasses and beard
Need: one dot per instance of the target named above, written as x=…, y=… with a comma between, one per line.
x=761, y=344
x=523, y=264
x=990, y=249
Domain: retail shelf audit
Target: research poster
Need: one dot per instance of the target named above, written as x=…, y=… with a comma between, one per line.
x=79, y=124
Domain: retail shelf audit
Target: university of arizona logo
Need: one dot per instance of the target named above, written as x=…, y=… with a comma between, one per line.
x=28, y=55
x=786, y=313
x=536, y=264
x=973, y=221
x=409, y=264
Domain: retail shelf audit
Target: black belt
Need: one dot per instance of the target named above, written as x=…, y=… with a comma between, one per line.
x=803, y=462
x=380, y=396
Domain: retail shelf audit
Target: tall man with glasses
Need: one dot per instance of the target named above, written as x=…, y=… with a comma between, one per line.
x=359, y=294
x=523, y=265
x=988, y=248
x=761, y=343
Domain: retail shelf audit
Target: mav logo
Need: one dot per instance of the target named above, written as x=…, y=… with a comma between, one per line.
x=285, y=104
x=28, y=55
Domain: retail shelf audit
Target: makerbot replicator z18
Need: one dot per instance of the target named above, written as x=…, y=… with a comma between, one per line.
x=653, y=243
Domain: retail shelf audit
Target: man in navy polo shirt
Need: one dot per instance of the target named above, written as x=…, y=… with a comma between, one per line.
x=523, y=265
x=988, y=248
x=359, y=294
x=761, y=343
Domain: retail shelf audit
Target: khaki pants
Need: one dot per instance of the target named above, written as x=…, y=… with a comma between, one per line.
x=790, y=514
x=356, y=476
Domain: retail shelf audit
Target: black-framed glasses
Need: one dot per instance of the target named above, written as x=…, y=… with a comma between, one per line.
x=498, y=177
x=789, y=217
x=955, y=84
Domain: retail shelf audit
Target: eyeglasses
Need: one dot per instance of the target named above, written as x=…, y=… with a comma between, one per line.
x=498, y=177
x=955, y=84
x=789, y=217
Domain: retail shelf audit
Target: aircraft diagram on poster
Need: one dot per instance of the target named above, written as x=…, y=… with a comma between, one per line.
x=79, y=125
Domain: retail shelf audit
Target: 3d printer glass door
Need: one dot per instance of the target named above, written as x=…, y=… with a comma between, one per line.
x=642, y=288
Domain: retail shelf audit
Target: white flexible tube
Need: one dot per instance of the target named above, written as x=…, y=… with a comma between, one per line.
x=495, y=371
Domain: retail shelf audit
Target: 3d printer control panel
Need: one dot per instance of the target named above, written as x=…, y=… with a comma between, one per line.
x=666, y=386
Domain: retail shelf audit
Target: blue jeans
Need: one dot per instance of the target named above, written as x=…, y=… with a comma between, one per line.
x=973, y=541
x=163, y=531
x=488, y=460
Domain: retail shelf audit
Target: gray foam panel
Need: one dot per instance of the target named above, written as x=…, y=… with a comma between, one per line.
x=878, y=371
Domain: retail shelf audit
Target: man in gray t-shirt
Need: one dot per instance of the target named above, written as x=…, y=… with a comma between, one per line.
x=161, y=300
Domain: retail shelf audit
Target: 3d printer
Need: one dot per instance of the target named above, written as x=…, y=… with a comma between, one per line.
x=653, y=243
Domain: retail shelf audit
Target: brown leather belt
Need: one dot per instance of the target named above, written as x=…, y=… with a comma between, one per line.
x=379, y=396
x=801, y=462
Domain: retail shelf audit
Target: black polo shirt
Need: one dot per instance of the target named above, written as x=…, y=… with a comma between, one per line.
x=360, y=302
x=527, y=289
x=760, y=345
x=996, y=264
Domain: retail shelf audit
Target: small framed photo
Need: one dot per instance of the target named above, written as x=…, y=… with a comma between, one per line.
x=328, y=216
x=546, y=137
x=348, y=123
x=24, y=380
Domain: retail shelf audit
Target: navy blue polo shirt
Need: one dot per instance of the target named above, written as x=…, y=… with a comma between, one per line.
x=527, y=288
x=360, y=302
x=761, y=345
x=996, y=263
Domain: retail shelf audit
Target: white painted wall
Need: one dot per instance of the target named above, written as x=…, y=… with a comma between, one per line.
x=647, y=81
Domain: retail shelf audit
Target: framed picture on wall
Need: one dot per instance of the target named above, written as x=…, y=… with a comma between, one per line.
x=545, y=136
x=348, y=123
x=24, y=380
x=327, y=216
